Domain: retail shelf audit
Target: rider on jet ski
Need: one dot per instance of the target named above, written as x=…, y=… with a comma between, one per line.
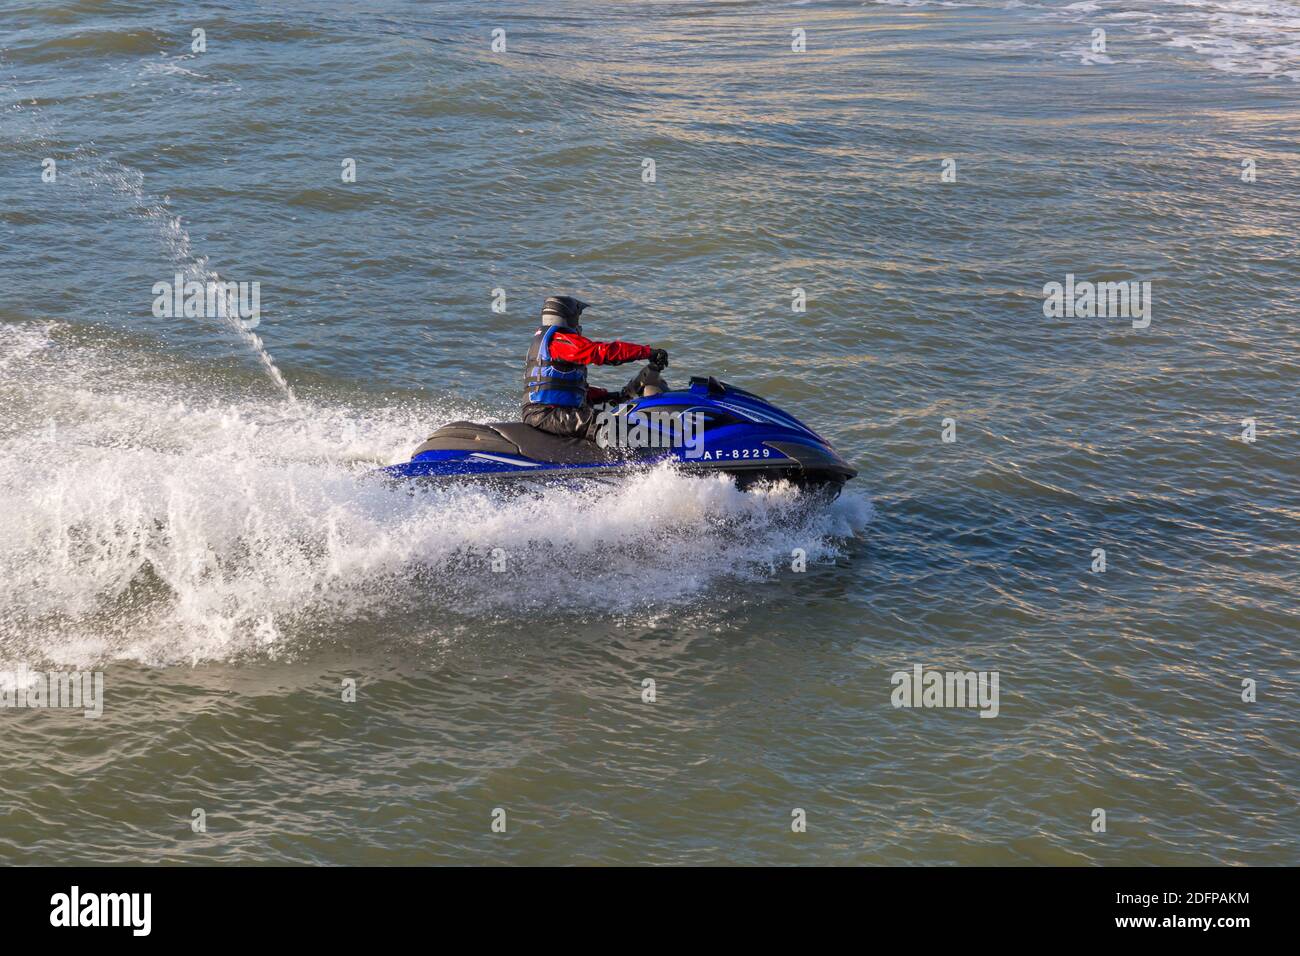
x=557, y=398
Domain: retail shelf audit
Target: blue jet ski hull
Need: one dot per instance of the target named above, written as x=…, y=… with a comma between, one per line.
x=727, y=430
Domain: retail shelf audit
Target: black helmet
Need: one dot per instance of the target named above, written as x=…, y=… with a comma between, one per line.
x=563, y=310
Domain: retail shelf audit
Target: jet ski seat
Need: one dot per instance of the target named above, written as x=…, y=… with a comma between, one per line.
x=462, y=436
x=514, y=438
x=543, y=446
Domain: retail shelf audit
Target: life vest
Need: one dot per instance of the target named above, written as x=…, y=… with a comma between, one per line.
x=549, y=381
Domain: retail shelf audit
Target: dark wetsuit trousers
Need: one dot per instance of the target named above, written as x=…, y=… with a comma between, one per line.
x=563, y=420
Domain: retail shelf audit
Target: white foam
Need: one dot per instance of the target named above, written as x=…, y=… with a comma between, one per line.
x=1086, y=56
x=170, y=67
x=150, y=523
x=1260, y=37
x=19, y=343
x=915, y=3
x=1250, y=37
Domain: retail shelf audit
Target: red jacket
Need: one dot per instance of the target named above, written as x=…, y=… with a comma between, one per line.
x=572, y=347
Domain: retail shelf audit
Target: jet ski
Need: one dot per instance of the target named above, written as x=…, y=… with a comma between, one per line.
x=709, y=428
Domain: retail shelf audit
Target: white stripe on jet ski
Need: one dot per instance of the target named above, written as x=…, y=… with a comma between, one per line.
x=507, y=461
